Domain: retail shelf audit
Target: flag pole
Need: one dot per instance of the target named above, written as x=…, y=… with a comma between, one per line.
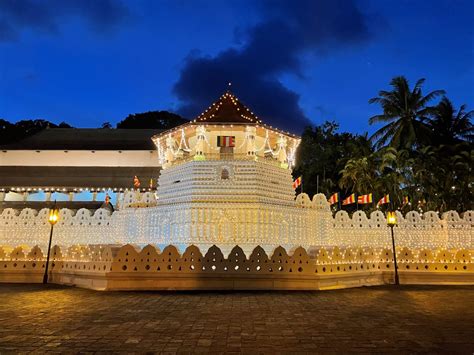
x=339, y=200
x=317, y=184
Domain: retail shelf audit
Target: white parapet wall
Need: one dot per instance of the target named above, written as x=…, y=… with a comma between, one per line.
x=79, y=158
x=309, y=223
x=128, y=267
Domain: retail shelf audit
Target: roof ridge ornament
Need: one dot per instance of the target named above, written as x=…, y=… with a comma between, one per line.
x=229, y=85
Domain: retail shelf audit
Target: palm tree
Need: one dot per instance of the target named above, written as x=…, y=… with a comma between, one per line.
x=358, y=175
x=450, y=126
x=392, y=174
x=405, y=111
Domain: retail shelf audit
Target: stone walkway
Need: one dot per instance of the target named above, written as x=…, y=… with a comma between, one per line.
x=376, y=319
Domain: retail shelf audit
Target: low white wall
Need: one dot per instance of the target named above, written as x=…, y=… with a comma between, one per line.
x=80, y=158
x=315, y=226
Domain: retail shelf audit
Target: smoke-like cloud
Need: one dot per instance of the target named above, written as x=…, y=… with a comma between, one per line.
x=47, y=15
x=272, y=47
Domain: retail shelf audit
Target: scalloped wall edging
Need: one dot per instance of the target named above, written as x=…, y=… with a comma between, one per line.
x=127, y=267
x=309, y=223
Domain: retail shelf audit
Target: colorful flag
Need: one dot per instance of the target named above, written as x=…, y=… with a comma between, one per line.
x=364, y=199
x=297, y=182
x=226, y=141
x=136, y=182
x=384, y=200
x=349, y=200
x=334, y=198
x=405, y=200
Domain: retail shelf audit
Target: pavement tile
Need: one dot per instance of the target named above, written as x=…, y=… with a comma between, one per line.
x=408, y=319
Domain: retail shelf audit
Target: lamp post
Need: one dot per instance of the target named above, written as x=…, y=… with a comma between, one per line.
x=392, y=222
x=52, y=219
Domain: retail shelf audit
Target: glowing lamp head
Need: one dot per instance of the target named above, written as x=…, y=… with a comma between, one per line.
x=53, y=216
x=391, y=219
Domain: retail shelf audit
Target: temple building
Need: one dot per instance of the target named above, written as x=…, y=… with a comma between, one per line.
x=227, y=155
x=226, y=176
x=76, y=167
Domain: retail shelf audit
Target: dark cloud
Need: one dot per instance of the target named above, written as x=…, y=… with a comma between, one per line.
x=271, y=48
x=47, y=15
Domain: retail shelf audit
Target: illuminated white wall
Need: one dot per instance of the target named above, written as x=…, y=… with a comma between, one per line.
x=309, y=223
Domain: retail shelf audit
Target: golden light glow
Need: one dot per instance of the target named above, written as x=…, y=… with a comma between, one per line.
x=391, y=219
x=53, y=216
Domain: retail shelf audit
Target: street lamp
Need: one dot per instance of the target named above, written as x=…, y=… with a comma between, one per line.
x=52, y=219
x=392, y=222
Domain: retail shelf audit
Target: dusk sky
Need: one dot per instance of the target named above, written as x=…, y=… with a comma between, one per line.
x=292, y=62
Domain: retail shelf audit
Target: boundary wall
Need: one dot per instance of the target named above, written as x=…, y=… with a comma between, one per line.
x=311, y=223
x=127, y=267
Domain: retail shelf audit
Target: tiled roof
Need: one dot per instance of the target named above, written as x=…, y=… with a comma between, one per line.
x=228, y=109
x=74, y=176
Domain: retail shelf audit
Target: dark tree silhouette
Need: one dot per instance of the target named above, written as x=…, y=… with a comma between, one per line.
x=152, y=119
x=323, y=153
x=450, y=126
x=405, y=111
x=13, y=132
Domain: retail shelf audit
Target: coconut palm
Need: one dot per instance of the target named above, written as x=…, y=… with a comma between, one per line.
x=449, y=126
x=358, y=175
x=404, y=111
x=392, y=173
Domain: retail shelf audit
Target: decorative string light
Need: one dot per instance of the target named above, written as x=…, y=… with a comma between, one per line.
x=288, y=225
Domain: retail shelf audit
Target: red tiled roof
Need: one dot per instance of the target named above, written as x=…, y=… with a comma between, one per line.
x=228, y=109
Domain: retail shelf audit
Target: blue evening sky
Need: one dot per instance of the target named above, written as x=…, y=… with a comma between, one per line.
x=293, y=62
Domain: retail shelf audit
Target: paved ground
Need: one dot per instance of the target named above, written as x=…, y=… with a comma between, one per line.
x=377, y=319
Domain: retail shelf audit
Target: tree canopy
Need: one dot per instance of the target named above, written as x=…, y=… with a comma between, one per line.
x=423, y=153
x=404, y=110
x=13, y=132
x=450, y=126
x=323, y=153
x=152, y=119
